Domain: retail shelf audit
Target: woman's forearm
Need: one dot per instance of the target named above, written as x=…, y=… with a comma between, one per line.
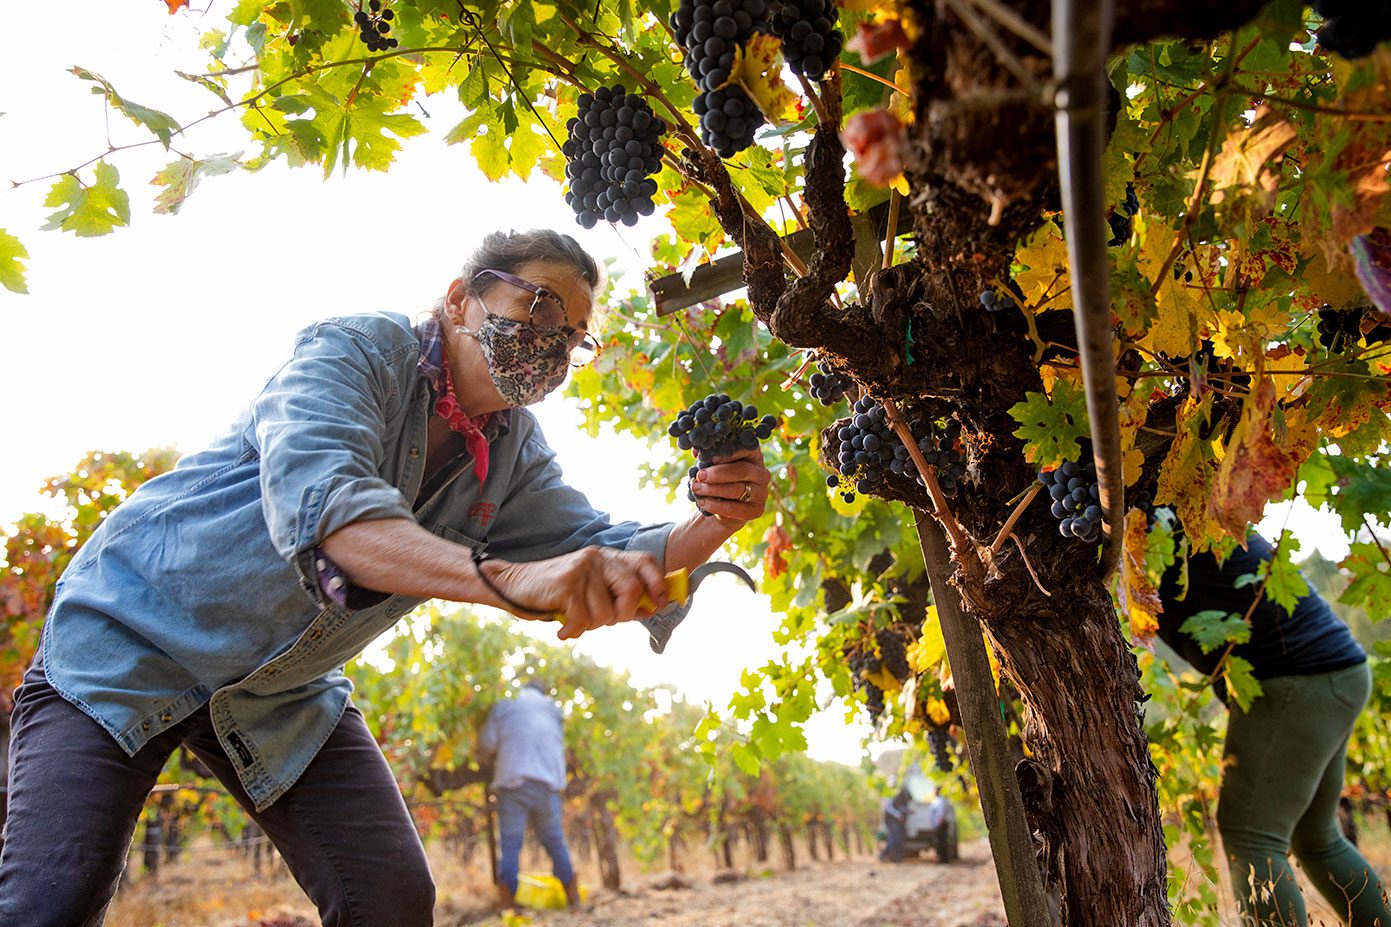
x=695, y=541
x=397, y=556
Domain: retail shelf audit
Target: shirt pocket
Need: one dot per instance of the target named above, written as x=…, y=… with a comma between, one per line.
x=458, y=537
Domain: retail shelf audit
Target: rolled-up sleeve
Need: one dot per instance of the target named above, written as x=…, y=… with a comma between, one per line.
x=318, y=427
x=544, y=517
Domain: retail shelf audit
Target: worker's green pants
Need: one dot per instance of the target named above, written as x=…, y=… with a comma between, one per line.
x=1282, y=776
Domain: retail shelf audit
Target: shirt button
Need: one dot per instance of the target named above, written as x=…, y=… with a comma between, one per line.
x=415, y=452
x=335, y=583
x=145, y=726
x=316, y=634
x=166, y=717
x=321, y=564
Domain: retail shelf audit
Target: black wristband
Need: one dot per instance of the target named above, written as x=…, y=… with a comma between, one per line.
x=477, y=556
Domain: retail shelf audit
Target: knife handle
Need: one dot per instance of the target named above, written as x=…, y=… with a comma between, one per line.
x=678, y=590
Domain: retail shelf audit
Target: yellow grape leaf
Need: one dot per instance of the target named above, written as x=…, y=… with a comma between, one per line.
x=758, y=69
x=929, y=650
x=1187, y=472
x=639, y=375
x=994, y=661
x=1301, y=435
x=1248, y=166
x=937, y=712
x=884, y=680
x=1133, y=412
x=1044, y=280
x=1139, y=600
x=1177, y=303
x=1255, y=470
x=849, y=509
x=1332, y=282
x=1281, y=363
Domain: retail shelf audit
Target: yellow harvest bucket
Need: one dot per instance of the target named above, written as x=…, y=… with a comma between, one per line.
x=537, y=890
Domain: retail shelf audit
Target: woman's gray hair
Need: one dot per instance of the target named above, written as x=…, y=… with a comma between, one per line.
x=509, y=251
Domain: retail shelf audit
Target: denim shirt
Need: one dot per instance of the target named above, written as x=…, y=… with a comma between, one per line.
x=201, y=587
x=525, y=735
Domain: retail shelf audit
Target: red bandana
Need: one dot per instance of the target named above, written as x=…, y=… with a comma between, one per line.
x=447, y=408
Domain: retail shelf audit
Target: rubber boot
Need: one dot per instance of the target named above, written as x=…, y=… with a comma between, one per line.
x=506, y=898
x=572, y=895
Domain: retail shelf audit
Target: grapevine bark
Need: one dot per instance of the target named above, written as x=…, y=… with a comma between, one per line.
x=981, y=159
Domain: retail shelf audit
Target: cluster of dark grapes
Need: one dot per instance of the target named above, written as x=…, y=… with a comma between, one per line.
x=870, y=449
x=1143, y=500
x=995, y=301
x=1076, y=498
x=941, y=742
x=828, y=386
x=862, y=665
x=1354, y=27
x=893, y=653
x=1339, y=329
x=373, y=24
x=728, y=119
x=711, y=31
x=811, y=43
x=1122, y=218
x=716, y=427
x=615, y=145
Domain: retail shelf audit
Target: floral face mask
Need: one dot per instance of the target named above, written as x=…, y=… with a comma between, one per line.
x=525, y=360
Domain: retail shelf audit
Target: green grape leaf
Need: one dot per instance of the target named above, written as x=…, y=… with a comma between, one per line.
x=180, y=178
x=1370, y=588
x=744, y=758
x=1051, y=427
x=1132, y=298
x=12, y=251
x=1353, y=489
x=1347, y=397
x=161, y=124
x=1213, y=628
x=1284, y=586
x=88, y=210
x=1242, y=685
x=361, y=133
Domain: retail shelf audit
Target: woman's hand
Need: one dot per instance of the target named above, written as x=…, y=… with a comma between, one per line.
x=734, y=490
x=591, y=588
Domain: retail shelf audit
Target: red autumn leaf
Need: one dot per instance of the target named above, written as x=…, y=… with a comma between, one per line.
x=175, y=5
x=1255, y=469
x=875, y=138
x=875, y=40
x=779, y=543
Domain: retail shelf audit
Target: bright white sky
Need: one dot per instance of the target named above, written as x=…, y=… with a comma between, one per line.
x=159, y=333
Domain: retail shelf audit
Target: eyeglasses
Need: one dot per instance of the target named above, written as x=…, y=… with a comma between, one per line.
x=548, y=311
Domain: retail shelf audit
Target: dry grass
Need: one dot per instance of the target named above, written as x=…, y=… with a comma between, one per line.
x=1374, y=843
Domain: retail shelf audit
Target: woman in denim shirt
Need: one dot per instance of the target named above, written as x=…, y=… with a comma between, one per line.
x=382, y=465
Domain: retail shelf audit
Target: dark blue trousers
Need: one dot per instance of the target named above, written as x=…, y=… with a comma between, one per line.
x=75, y=798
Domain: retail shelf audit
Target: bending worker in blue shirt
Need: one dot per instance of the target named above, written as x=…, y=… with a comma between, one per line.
x=525, y=738
x=383, y=464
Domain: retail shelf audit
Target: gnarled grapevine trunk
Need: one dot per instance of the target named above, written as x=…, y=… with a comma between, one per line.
x=981, y=161
x=605, y=842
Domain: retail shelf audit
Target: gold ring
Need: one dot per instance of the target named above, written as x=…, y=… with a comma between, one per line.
x=748, y=493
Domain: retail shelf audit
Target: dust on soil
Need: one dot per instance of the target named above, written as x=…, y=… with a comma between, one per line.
x=853, y=893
